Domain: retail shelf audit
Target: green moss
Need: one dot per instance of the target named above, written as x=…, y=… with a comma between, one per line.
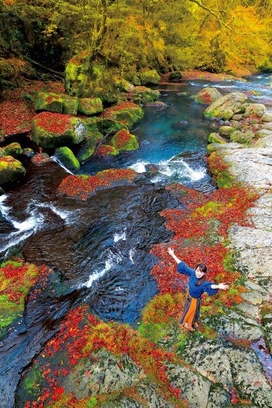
x=30, y=387
x=68, y=159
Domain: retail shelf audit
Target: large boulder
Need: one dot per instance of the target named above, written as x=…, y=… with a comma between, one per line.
x=207, y=95
x=84, y=78
x=90, y=106
x=11, y=170
x=121, y=116
x=67, y=158
x=52, y=102
x=149, y=77
x=124, y=140
x=13, y=149
x=226, y=106
x=50, y=130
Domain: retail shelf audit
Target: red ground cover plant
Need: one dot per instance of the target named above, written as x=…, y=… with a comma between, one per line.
x=82, y=186
x=122, y=138
x=80, y=335
x=105, y=150
x=17, y=108
x=53, y=122
x=200, y=230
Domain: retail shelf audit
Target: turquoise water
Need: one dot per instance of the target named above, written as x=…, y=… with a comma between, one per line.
x=178, y=149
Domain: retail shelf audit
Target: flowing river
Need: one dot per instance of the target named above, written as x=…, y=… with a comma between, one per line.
x=99, y=249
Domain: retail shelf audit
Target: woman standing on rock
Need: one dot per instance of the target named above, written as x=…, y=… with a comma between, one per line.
x=197, y=286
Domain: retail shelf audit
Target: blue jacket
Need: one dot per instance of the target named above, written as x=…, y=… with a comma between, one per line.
x=196, y=291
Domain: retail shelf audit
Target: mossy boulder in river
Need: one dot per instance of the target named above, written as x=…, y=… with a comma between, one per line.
x=67, y=158
x=123, y=115
x=124, y=140
x=84, y=78
x=207, y=95
x=11, y=170
x=226, y=106
x=13, y=149
x=52, y=102
x=90, y=106
x=51, y=130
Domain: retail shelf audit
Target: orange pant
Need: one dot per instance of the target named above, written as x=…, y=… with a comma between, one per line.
x=189, y=316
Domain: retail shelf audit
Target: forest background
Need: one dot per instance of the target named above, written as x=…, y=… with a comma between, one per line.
x=131, y=35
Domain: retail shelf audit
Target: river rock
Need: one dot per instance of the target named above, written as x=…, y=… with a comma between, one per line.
x=11, y=170
x=250, y=166
x=207, y=95
x=247, y=374
x=106, y=373
x=226, y=106
x=51, y=130
x=67, y=158
x=124, y=141
x=193, y=387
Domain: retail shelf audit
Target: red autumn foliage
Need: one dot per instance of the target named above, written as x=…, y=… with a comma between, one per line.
x=104, y=150
x=81, y=187
x=16, y=108
x=122, y=138
x=53, y=122
x=80, y=335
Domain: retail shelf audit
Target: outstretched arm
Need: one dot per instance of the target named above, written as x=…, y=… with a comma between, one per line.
x=172, y=253
x=222, y=286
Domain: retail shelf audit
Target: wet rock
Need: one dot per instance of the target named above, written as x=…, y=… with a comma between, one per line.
x=193, y=387
x=226, y=106
x=51, y=130
x=248, y=377
x=235, y=323
x=67, y=158
x=11, y=170
x=105, y=373
x=207, y=95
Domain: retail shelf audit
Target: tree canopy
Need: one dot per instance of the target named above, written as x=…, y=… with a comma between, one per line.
x=138, y=34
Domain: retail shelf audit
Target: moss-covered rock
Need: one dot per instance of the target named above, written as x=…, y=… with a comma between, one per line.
x=16, y=279
x=13, y=149
x=216, y=138
x=67, y=158
x=175, y=76
x=51, y=130
x=242, y=137
x=207, y=95
x=48, y=101
x=123, y=115
x=143, y=95
x=226, y=130
x=88, y=147
x=11, y=170
x=150, y=77
x=52, y=102
x=90, y=106
x=124, y=140
x=226, y=106
x=84, y=78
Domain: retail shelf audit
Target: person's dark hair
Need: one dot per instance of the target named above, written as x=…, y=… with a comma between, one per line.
x=203, y=268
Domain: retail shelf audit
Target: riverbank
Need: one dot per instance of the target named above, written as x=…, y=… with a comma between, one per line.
x=159, y=363
x=17, y=105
